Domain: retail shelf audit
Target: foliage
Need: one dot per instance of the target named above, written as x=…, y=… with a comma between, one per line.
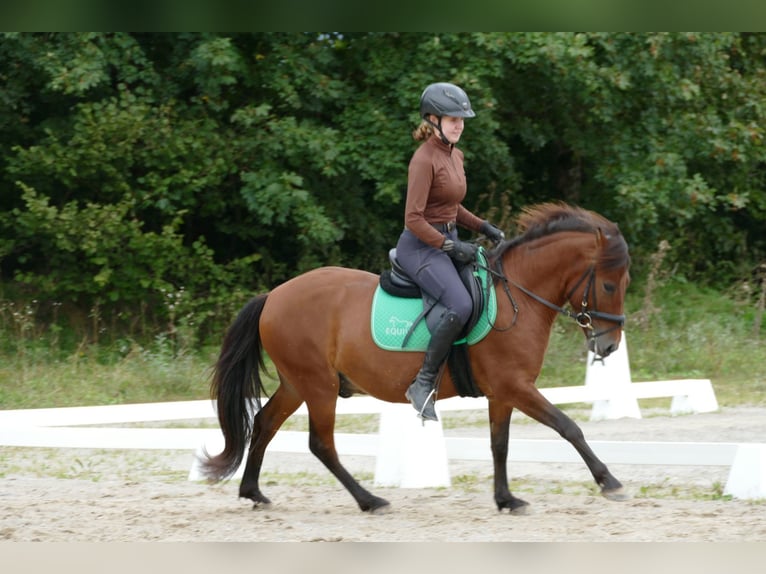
x=134, y=165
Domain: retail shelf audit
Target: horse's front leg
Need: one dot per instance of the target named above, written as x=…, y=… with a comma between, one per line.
x=499, y=425
x=534, y=404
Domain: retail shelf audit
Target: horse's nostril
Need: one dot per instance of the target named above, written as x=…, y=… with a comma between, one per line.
x=610, y=349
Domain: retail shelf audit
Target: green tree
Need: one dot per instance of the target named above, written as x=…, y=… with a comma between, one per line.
x=133, y=165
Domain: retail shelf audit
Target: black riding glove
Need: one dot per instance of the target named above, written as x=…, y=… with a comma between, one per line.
x=460, y=251
x=493, y=233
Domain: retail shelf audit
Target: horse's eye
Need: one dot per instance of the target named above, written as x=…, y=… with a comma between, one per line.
x=610, y=287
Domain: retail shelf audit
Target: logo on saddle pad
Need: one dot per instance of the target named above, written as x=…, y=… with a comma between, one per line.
x=397, y=323
x=398, y=327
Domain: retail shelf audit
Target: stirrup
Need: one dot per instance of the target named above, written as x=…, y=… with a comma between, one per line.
x=423, y=418
x=429, y=397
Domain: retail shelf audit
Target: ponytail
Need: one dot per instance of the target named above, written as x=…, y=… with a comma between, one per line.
x=423, y=131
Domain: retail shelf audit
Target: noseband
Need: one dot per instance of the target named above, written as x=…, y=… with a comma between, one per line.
x=584, y=318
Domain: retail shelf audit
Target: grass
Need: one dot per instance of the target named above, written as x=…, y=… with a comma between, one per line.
x=38, y=378
x=663, y=489
x=91, y=465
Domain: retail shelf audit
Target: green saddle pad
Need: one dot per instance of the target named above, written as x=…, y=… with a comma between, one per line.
x=392, y=318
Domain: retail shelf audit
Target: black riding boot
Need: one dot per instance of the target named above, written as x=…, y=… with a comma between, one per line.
x=423, y=389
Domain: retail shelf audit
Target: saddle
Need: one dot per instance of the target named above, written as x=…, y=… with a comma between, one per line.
x=397, y=282
x=397, y=313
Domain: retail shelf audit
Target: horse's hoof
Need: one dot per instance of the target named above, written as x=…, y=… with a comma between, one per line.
x=259, y=501
x=523, y=510
x=616, y=494
x=377, y=506
x=381, y=510
x=516, y=506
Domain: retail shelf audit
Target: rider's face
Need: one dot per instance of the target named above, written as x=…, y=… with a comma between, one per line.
x=452, y=128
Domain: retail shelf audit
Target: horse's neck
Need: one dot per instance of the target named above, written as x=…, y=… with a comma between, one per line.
x=547, y=266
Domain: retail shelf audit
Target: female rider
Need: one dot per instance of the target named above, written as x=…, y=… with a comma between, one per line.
x=429, y=247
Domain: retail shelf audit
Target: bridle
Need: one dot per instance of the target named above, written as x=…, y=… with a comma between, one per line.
x=584, y=317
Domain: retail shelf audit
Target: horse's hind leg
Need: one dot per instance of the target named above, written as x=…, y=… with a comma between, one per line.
x=322, y=445
x=266, y=422
x=534, y=404
x=499, y=424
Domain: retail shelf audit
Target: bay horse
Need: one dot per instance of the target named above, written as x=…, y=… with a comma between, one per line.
x=316, y=330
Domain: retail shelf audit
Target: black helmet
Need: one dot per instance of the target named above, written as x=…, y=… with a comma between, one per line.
x=444, y=99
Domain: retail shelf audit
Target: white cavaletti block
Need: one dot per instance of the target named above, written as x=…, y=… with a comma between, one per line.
x=411, y=454
x=610, y=376
x=747, y=476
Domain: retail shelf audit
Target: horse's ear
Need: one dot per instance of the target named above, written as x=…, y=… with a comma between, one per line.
x=602, y=237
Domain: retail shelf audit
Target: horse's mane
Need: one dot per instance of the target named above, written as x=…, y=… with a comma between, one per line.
x=545, y=219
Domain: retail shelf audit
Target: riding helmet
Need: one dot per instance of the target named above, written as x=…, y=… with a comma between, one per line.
x=445, y=99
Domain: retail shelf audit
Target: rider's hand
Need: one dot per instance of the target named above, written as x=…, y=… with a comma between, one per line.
x=460, y=251
x=492, y=232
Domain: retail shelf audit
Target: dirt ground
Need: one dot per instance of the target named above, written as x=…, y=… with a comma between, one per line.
x=137, y=496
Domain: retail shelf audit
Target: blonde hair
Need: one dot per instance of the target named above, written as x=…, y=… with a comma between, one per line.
x=423, y=131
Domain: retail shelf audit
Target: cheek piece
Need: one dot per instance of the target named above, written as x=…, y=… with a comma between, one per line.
x=439, y=129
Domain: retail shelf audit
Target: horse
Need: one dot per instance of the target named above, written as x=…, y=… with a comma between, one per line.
x=316, y=330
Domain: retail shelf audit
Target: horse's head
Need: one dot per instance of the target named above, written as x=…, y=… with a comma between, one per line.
x=598, y=296
x=590, y=255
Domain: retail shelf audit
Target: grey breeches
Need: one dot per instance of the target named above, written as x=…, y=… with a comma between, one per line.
x=434, y=272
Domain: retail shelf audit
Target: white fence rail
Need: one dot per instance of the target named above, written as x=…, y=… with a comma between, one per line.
x=60, y=428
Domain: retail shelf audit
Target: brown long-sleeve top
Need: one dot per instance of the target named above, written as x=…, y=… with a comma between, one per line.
x=435, y=189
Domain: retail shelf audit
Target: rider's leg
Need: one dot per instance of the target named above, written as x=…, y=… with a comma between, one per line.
x=436, y=274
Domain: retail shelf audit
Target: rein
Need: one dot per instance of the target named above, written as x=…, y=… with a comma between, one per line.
x=583, y=318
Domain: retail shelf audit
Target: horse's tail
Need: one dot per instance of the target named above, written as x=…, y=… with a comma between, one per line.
x=236, y=382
